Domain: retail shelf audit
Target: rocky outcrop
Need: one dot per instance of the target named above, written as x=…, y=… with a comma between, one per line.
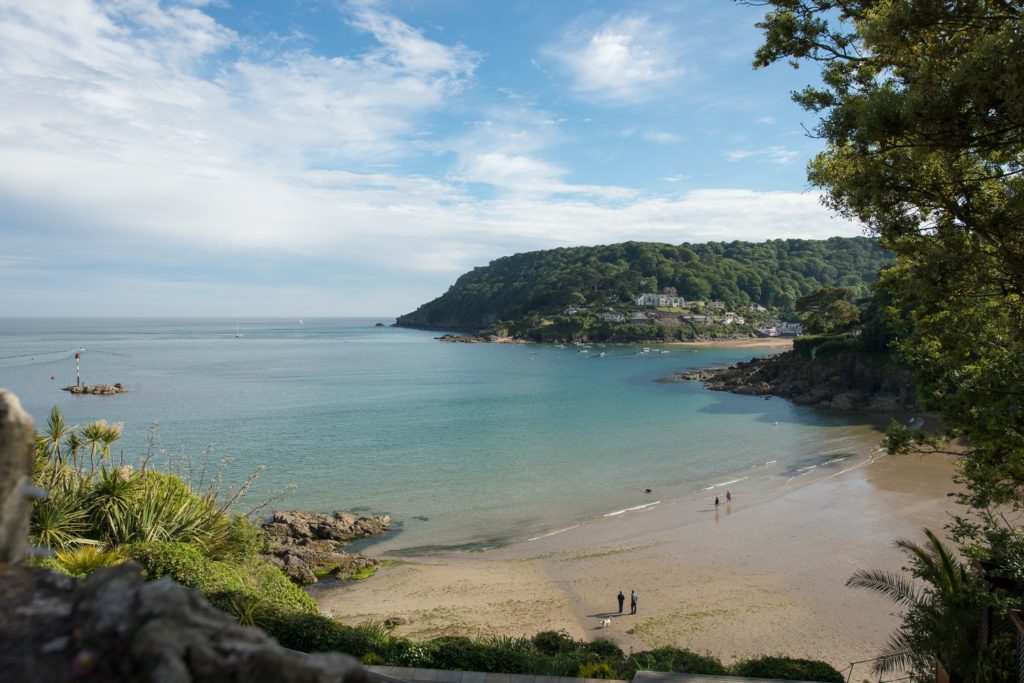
x=115, y=626
x=117, y=388
x=480, y=339
x=307, y=546
x=845, y=381
x=17, y=436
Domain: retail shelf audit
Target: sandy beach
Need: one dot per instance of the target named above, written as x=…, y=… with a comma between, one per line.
x=774, y=343
x=762, y=575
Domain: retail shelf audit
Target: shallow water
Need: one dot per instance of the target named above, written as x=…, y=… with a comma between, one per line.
x=465, y=445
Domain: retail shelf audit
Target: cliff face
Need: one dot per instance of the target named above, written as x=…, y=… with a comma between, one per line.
x=847, y=381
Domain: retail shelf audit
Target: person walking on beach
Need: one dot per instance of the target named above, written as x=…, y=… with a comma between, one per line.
x=716, y=502
x=728, y=496
x=622, y=599
x=633, y=597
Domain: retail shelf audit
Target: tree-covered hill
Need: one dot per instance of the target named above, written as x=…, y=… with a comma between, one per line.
x=773, y=274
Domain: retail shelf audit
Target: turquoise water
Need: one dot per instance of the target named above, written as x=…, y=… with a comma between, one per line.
x=463, y=444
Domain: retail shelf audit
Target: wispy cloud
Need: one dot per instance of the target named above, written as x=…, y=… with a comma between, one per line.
x=626, y=60
x=773, y=155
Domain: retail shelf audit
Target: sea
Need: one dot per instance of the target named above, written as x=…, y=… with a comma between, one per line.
x=466, y=446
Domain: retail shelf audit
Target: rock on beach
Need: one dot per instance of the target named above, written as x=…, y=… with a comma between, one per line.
x=305, y=545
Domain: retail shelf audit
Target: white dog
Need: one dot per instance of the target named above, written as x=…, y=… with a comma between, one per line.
x=605, y=623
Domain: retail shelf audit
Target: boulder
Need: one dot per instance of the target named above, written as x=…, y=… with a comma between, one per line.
x=115, y=626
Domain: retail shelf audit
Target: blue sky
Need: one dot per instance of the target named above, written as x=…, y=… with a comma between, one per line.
x=307, y=157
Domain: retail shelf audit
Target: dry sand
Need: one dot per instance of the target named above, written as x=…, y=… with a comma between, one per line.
x=761, y=576
x=775, y=343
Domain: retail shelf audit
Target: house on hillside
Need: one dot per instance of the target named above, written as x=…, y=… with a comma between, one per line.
x=716, y=305
x=698, y=319
x=733, y=319
x=652, y=300
x=574, y=310
x=639, y=318
x=612, y=317
x=791, y=329
x=757, y=308
x=768, y=329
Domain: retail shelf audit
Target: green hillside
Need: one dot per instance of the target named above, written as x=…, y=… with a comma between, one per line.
x=526, y=287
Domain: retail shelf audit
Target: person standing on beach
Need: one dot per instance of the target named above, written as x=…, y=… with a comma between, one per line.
x=633, y=597
x=716, y=502
x=728, y=496
x=622, y=599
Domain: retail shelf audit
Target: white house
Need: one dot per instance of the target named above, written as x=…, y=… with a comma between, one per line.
x=651, y=300
x=716, y=305
x=612, y=317
x=795, y=329
x=757, y=308
x=733, y=319
x=698, y=319
x=574, y=310
x=768, y=329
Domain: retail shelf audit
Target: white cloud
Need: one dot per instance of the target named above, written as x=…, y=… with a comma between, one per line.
x=406, y=48
x=145, y=130
x=773, y=155
x=766, y=120
x=626, y=60
x=661, y=137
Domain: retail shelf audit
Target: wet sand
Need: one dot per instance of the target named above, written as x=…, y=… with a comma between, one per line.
x=763, y=575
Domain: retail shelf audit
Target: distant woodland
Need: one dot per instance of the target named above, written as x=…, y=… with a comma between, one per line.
x=773, y=274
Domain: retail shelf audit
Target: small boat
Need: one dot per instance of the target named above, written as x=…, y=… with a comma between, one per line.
x=602, y=354
x=646, y=350
x=300, y=322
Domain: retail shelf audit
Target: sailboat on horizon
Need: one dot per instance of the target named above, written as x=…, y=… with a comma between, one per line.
x=237, y=334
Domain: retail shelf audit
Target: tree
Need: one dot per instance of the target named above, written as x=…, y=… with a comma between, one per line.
x=921, y=108
x=827, y=310
x=941, y=619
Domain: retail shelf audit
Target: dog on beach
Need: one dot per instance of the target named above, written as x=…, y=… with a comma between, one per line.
x=605, y=623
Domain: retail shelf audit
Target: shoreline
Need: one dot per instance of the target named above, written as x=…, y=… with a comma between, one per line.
x=762, y=575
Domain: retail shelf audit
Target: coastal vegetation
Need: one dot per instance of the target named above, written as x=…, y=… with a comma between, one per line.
x=921, y=110
x=589, y=292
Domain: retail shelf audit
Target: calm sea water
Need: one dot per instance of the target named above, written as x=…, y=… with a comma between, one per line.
x=464, y=445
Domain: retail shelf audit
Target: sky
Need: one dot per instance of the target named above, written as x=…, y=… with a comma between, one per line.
x=341, y=158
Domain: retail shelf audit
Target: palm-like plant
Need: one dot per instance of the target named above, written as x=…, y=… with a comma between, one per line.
x=942, y=618
x=111, y=433
x=85, y=559
x=53, y=436
x=92, y=434
x=59, y=523
x=112, y=500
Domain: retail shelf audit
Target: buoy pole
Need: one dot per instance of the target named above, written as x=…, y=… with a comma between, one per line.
x=78, y=369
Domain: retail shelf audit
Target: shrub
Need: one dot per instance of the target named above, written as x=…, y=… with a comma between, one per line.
x=596, y=670
x=605, y=649
x=308, y=632
x=553, y=642
x=672, y=659
x=505, y=654
x=456, y=652
x=787, y=668
x=372, y=659
x=85, y=559
x=241, y=539
x=223, y=582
